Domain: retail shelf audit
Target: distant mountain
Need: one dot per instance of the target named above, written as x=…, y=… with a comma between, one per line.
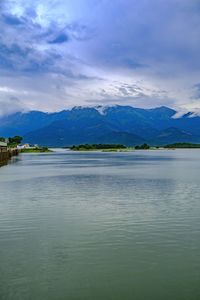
x=21, y=123
x=85, y=125
x=174, y=135
x=113, y=124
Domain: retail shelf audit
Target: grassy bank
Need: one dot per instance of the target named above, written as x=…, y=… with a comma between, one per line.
x=183, y=146
x=35, y=150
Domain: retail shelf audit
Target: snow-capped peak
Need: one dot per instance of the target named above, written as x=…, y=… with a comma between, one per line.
x=103, y=109
x=100, y=108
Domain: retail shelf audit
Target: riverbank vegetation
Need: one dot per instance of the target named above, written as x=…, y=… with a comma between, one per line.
x=183, y=146
x=109, y=147
x=122, y=148
x=35, y=150
x=91, y=147
x=142, y=147
x=12, y=142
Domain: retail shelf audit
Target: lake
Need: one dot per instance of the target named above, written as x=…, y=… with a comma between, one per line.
x=100, y=226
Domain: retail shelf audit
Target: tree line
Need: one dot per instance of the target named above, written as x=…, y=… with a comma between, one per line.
x=12, y=141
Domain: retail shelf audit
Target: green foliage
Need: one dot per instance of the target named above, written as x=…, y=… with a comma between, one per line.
x=182, y=145
x=86, y=147
x=35, y=150
x=142, y=147
x=16, y=140
x=12, y=141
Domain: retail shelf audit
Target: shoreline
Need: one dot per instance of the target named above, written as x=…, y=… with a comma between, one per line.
x=35, y=150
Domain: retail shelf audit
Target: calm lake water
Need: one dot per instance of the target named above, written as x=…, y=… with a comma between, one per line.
x=101, y=226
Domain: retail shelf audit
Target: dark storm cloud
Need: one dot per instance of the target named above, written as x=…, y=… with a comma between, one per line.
x=61, y=38
x=12, y=20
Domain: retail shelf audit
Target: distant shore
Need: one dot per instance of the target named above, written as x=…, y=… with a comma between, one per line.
x=122, y=148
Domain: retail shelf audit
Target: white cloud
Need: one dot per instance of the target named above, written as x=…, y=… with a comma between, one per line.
x=144, y=53
x=10, y=105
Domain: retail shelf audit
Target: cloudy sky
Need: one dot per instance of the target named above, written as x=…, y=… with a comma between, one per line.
x=56, y=54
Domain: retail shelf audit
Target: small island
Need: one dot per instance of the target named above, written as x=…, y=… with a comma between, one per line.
x=95, y=147
x=123, y=148
x=109, y=147
x=182, y=146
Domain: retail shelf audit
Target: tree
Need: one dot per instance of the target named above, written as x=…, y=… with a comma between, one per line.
x=16, y=140
x=142, y=147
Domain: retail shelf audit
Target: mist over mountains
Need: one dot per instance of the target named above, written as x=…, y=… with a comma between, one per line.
x=115, y=124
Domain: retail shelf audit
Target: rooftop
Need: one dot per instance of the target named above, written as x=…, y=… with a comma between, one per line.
x=2, y=144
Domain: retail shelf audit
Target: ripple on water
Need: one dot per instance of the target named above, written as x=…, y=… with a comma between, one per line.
x=100, y=226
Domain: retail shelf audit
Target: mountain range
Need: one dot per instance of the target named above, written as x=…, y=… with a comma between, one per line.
x=113, y=124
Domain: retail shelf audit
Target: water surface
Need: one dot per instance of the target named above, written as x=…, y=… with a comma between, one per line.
x=100, y=226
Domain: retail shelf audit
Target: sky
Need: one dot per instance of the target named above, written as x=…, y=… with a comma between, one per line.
x=56, y=54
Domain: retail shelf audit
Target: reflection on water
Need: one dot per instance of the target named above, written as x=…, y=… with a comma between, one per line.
x=100, y=226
